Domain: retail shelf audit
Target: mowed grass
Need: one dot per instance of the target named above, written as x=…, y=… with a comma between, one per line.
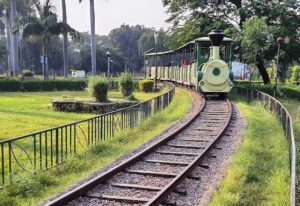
x=259, y=173
x=33, y=189
x=293, y=107
x=22, y=113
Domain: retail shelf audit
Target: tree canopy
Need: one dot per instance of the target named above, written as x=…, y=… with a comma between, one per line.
x=193, y=18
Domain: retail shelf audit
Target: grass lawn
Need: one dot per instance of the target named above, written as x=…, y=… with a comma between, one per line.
x=293, y=107
x=259, y=173
x=33, y=189
x=22, y=113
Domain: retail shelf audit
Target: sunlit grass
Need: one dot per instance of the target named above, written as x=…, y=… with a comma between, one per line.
x=34, y=189
x=293, y=107
x=22, y=113
x=259, y=173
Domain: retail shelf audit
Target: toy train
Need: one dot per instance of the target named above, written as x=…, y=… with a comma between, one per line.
x=203, y=64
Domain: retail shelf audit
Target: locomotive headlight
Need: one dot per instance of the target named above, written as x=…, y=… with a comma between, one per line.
x=202, y=83
x=230, y=83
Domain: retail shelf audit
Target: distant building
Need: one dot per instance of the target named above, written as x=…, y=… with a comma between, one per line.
x=78, y=73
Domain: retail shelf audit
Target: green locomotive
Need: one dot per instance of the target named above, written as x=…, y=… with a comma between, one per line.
x=203, y=64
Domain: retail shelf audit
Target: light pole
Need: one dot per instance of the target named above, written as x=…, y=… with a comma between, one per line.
x=112, y=67
x=54, y=63
x=155, y=41
x=108, y=62
x=279, y=41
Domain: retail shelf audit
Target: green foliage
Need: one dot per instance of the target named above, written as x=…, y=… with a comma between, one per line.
x=295, y=74
x=146, y=85
x=27, y=73
x=271, y=73
x=15, y=85
x=126, y=83
x=254, y=39
x=98, y=87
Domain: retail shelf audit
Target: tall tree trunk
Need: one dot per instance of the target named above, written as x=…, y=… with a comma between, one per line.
x=8, y=43
x=65, y=41
x=14, y=38
x=93, y=42
x=262, y=70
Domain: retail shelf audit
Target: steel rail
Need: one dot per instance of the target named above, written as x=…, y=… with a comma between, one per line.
x=75, y=193
x=162, y=195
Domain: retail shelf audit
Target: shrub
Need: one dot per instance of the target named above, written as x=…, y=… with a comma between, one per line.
x=98, y=87
x=146, y=85
x=126, y=83
x=295, y=74
x=27, y=73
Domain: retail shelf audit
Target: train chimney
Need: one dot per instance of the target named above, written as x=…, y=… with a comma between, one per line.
x=216, y=37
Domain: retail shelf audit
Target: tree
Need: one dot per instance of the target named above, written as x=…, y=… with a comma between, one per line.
x=65, y=41
x=93, y=42
x=43, y=27
x=284, y=15
x=255, y=40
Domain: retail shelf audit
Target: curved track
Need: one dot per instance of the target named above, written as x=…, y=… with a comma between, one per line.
x=150, y=176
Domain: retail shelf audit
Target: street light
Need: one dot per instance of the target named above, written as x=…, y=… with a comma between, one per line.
x=155, y=41
x=279, y=41
x=108, y=62
x=54, y=63
x=112, y=67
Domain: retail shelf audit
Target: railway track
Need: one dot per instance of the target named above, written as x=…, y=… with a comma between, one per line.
x=153, y=174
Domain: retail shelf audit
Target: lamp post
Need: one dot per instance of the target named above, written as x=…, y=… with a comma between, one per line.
x=108, y=62
x=54, y=63
x=155, y=41
x=279, y=41
x=112, y=67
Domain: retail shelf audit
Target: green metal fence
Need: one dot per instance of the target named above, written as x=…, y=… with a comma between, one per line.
x=48, y=148
x=286, y=121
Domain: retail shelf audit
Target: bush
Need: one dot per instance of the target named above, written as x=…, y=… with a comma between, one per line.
x=126, y=83
x=27, y=73
x=146, y=85
x=98, y=87
x=295, y=74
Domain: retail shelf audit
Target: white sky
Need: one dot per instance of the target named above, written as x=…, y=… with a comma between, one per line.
x=112, y=13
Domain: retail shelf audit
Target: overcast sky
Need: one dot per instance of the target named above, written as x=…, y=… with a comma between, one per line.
x=112, y=13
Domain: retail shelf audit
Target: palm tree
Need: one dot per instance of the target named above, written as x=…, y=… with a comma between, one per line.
x=14, y=38
x=65, y=40
x=43, y=27
x=93, y=42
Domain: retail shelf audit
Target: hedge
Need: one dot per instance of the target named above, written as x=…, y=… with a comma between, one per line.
x=16, y=85
x=282, y=91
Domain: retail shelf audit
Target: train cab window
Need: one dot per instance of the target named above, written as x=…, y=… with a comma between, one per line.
x=205, y=52
x=222, y=52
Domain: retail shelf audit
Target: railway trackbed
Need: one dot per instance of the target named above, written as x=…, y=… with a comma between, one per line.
x=152, y=175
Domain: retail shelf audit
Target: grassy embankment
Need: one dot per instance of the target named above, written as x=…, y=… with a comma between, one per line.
x=21, y=113
x=259, y=173
x=33, y=189
x=293, y=107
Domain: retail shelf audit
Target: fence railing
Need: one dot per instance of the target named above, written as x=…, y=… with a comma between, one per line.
x=286, y=121
x=45, y=149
